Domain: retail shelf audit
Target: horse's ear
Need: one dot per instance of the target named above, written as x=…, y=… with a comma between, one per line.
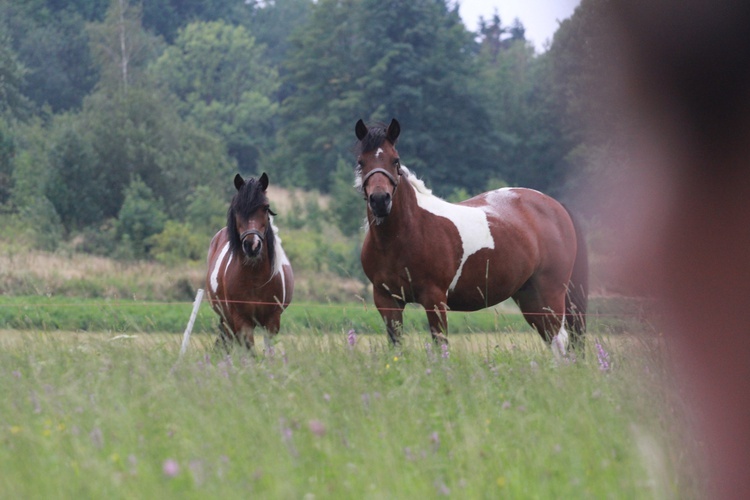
x=360, y=129
x=263, y=181
x=238, y=181
x=392, y=132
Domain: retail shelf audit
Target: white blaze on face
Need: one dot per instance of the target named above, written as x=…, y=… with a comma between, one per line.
x=378, y=152
x=471, y=223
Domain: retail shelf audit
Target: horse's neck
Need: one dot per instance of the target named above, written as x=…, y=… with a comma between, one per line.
x=403, y=212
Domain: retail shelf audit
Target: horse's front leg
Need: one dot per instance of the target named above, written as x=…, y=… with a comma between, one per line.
x=246, y=337
x=272, y=327
x=392, y=311
x=435, y=306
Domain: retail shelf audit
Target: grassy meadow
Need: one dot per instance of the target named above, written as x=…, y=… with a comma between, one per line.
x=119, y=416
x=95, y=401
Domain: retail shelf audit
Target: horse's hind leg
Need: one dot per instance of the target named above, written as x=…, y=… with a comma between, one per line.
x=437, y=318
x=545, y=312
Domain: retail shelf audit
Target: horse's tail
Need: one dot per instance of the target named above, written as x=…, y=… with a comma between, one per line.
x=576, y=300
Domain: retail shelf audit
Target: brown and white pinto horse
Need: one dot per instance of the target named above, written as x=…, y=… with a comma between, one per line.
x=249, y=280
x=511, y=242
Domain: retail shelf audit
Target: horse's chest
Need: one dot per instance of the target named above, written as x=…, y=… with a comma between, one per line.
x=410, y=270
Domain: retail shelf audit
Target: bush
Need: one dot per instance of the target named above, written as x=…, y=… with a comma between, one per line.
x=178, y=242
x=140, y=217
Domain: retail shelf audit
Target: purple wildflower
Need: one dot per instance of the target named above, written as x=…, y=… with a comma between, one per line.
x=16, y=374
x=170, y=467
x=351, y=337
x=603, y=357
x=317, y=427
x=435, y=440
x=446, y=353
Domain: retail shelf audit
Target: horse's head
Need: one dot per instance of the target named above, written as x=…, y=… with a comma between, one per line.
x=378, y=166
x=249, y=218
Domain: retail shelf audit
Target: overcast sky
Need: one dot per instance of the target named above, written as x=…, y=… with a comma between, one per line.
x=539, y=17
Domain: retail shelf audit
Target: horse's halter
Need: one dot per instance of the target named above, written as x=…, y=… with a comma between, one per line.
x=255, y=232
x=383, y=171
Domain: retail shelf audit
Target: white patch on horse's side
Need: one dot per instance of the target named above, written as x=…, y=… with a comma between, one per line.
x=378, y=152
x=280, y=255
x=224, y=276
x=559, y=343
x=281, y=261
x=471, y=223
x=284, y=262
x=217, y=265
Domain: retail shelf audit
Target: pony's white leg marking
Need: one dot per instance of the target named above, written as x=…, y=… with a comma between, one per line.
x=559, y=343
x=217, y=266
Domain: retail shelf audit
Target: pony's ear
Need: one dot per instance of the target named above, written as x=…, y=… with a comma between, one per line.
x=263, y=181
x=360, y=129
x=392, y=132
x=238, y=181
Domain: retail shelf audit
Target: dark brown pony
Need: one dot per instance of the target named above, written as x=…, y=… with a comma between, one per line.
x=511, y=242
x=249, y=280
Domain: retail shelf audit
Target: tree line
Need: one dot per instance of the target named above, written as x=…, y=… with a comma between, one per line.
x=122, y=122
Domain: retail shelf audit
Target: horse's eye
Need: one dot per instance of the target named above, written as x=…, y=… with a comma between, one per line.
x=396, y=161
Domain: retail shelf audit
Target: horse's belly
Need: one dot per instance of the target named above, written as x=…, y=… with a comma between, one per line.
x=477, y=298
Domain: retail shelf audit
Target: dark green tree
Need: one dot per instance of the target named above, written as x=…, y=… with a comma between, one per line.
x=141, y=134
x=217, y=73
x=51, y=41
x=121, y=47
x=272, y=23
x=596, y=127
x=13, y=106
x=76, y=185
x=377, y=60
x=166, y=17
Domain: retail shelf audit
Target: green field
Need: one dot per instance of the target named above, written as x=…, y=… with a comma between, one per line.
x=39, y=312
x=106, y=414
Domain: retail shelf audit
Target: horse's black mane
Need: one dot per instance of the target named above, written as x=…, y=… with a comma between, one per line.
x=248, y=199
x=373, y=140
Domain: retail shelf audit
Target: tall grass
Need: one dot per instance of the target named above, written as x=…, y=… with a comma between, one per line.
x=101, y=415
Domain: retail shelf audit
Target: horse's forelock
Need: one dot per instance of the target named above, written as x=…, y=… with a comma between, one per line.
x=376, y=135
x=247, y=200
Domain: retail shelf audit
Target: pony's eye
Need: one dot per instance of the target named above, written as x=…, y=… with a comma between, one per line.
x=396, y=161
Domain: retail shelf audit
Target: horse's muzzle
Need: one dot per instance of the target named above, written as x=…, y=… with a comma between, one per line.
x=252, y=243
x=380, y=203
